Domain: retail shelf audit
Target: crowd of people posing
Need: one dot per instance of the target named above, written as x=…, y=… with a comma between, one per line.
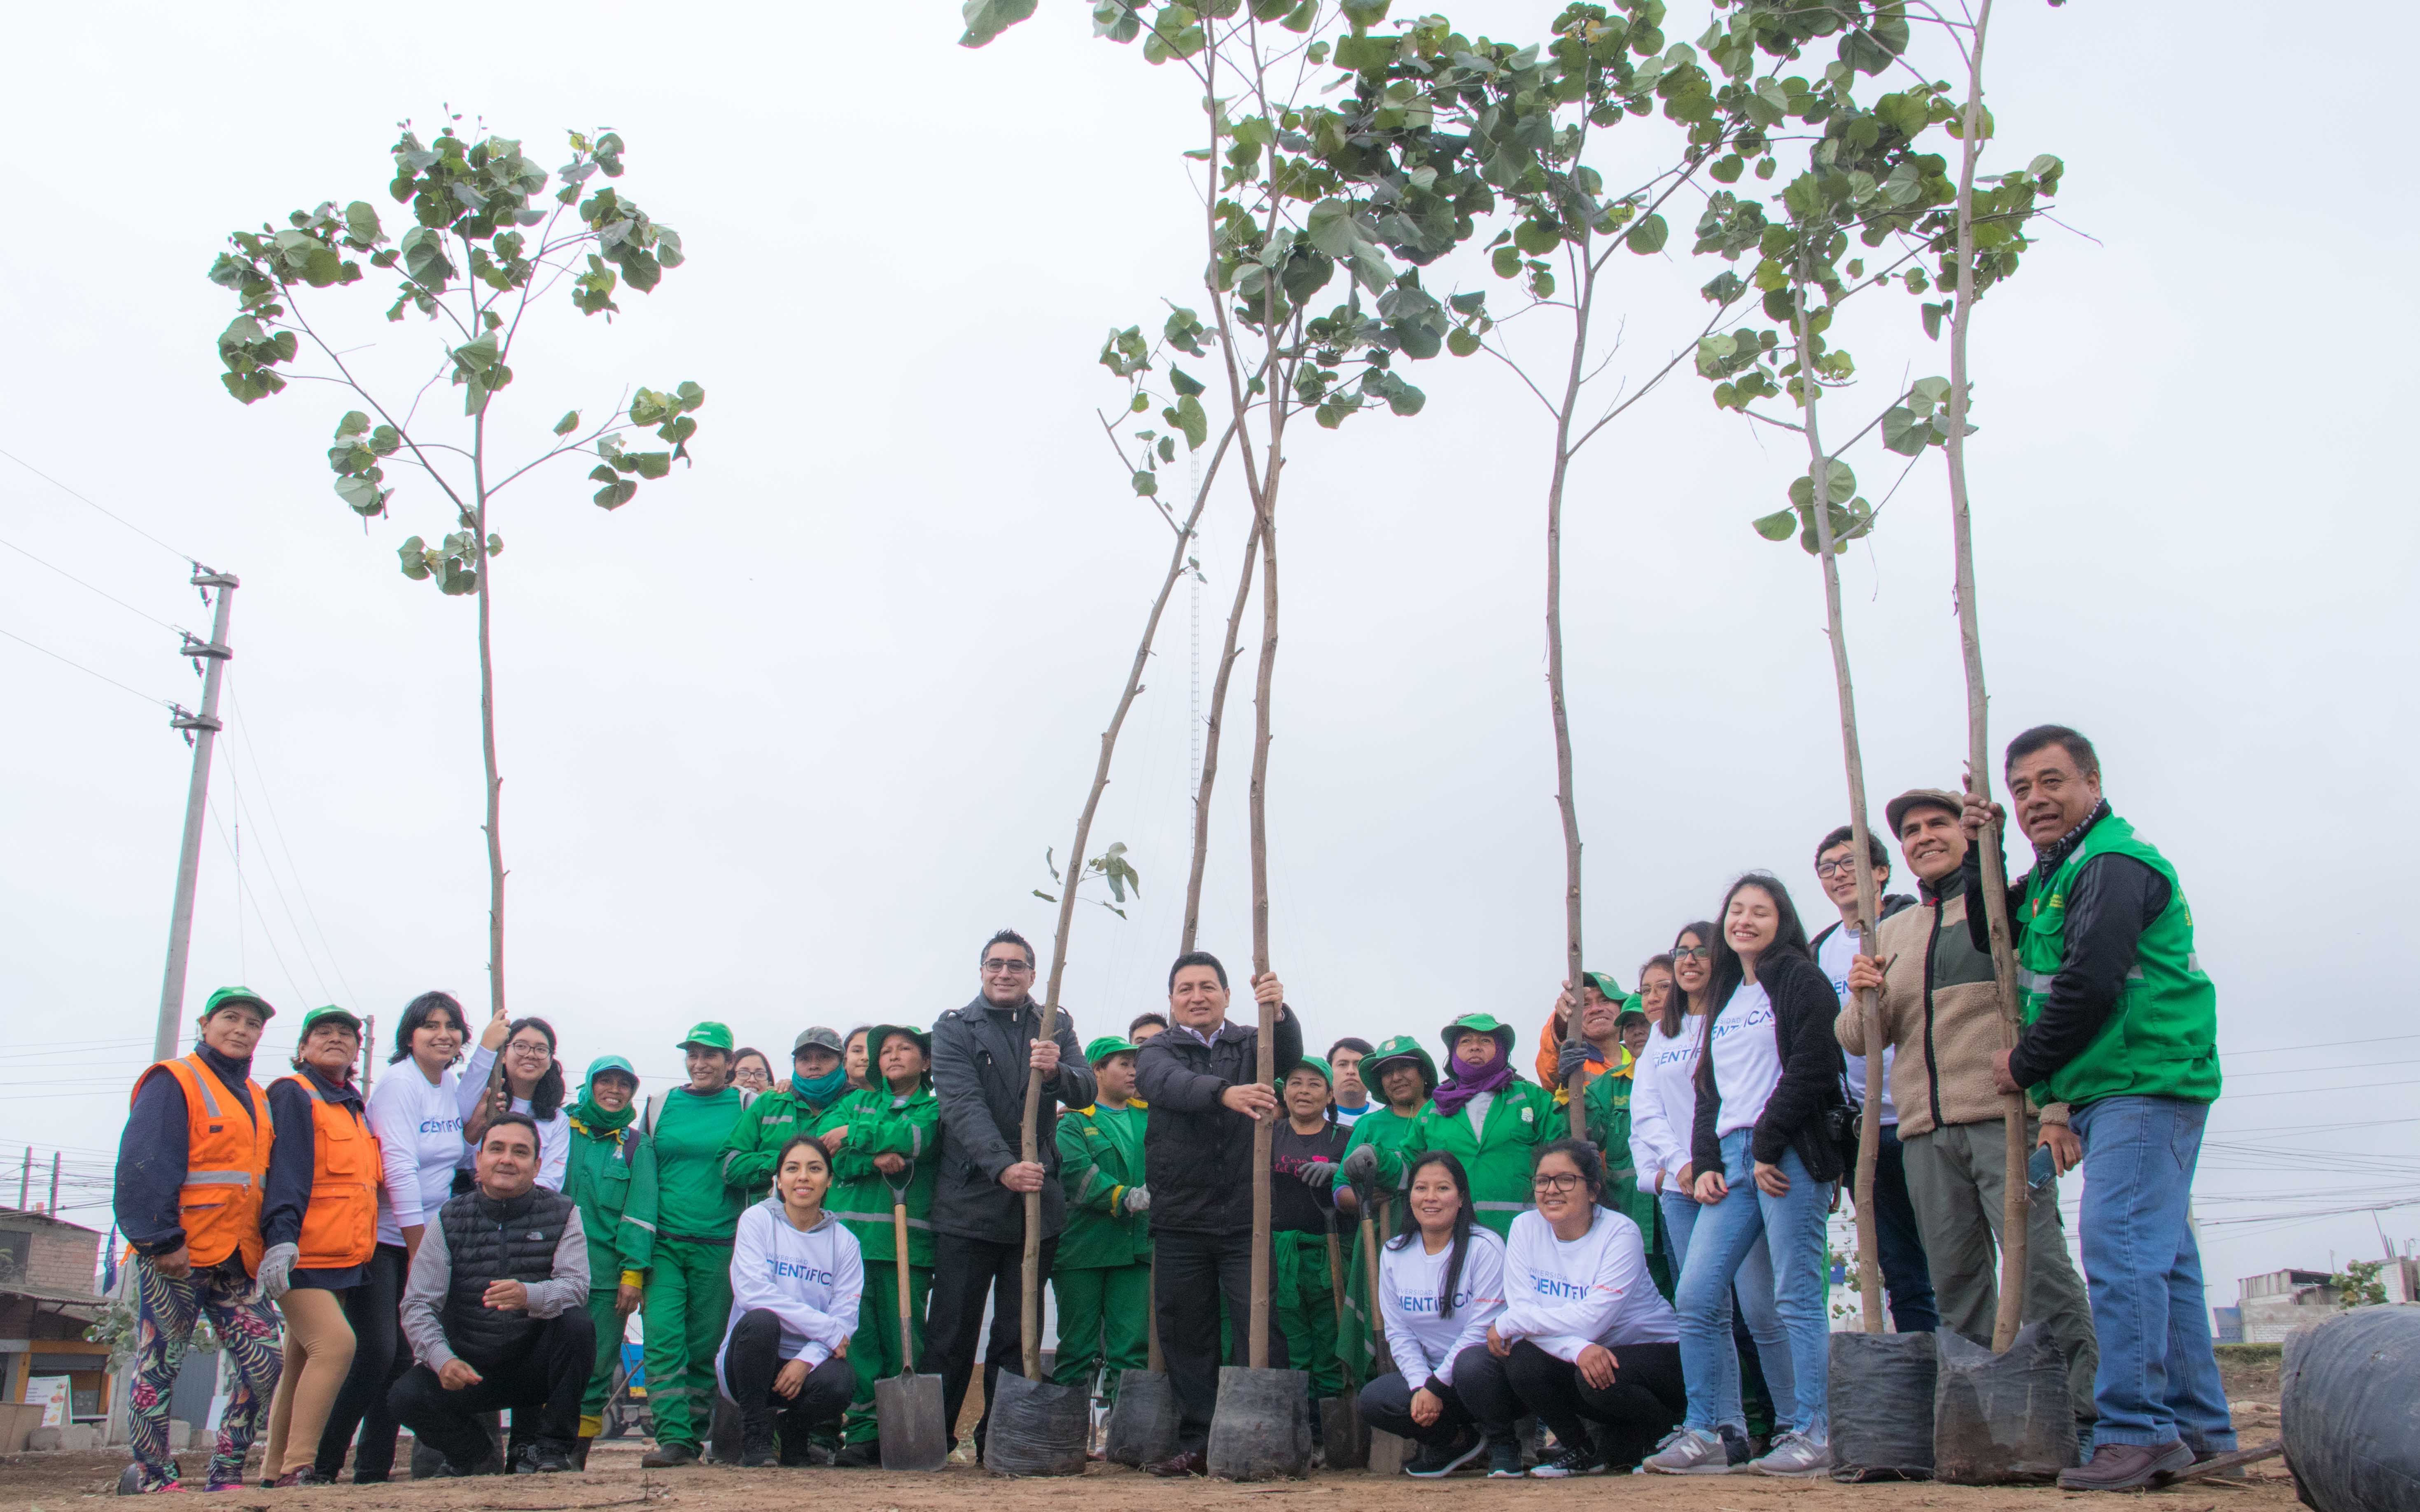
x=1629, y=1250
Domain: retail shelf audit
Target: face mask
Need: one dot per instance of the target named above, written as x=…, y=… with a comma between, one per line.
x=822, y=1088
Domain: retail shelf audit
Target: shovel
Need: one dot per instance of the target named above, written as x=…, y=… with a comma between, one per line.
x=1340, y=1428
x=1038, y=1427
x=1387, y=1451
x=1260, y=1428
x=908, y=1409
x=1144, y=1420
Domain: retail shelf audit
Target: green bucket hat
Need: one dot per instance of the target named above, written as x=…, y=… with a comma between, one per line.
x=605, y=1063
x=226, y=995
x=879, y=1032
x=707, y=1035
x=330, y=1015
x=1105, y=1046
x=1402, y=1047
x=1481, y=1024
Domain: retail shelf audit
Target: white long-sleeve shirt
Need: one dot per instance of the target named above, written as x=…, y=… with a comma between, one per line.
x=1565, y=1295
x=1424, y=1343
x=419, y=1128
x=812, y=1281
x=1664, y=1102
x=553, y=1135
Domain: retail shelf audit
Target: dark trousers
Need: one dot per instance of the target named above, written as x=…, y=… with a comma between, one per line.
x=544, y=1377
x=753, y=1357
x=374, y=1310
x=1905, y=1276
x=1386, y=1403
x=963, y=1271
x=1198, y=1273
x=1642, y=1404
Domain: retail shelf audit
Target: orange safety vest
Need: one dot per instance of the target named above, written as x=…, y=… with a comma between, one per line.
x=340, y=1225
x=226, y=1160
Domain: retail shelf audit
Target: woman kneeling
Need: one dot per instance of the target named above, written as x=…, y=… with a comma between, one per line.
x=795, y=1278
x=1441, y=1283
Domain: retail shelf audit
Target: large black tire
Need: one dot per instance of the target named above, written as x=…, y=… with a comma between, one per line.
x=2352, y=1411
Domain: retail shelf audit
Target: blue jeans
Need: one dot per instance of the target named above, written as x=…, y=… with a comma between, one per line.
x=1753, y=1286
x=1905, y=1275
x=1792, y=1226
x=2158, y=1379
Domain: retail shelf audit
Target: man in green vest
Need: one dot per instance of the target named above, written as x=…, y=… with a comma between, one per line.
x=1401, y=1076
x=1102, y=1279
x=884, y=1142
x=2121, y=1024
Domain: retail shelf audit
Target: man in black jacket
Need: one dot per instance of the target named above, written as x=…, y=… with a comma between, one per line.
x=1201, y=1080
x=982, y=1054
x=496, y=1310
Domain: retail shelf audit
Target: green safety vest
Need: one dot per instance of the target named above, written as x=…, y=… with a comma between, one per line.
x=1522, y=1117
x=1100, y=1159
x=2161, y=1039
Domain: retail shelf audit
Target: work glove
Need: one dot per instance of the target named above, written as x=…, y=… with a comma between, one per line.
x=277, y=1271
x=1570, y=1057
x=1361, y=1165
x=1318, y=1175
x=1138, y=1199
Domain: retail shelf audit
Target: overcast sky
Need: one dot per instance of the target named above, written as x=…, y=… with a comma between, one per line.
x=785, y=738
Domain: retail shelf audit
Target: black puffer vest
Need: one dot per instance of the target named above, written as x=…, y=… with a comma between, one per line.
x=488, y=1241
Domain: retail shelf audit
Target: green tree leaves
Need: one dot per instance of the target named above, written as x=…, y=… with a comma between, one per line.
x=987, y=19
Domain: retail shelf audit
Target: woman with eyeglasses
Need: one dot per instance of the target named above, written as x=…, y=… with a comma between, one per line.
x=530, y=1081
x=1440, y=1283
x=751, y=1071
x=1767, y=1077
x=1585, y=1341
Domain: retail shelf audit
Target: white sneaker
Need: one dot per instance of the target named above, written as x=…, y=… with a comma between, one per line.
x=1688, y=1452
x=1793, y=1454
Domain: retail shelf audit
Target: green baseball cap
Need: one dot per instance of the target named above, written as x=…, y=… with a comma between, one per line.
x=605, y=1063
x=1105, y=1046
x=1402, y=1047
x=707, y=1035
x=1316, y=1064
x=226, y=995
x=1605, y=985
x=330, y=1015
x=1481, y=1024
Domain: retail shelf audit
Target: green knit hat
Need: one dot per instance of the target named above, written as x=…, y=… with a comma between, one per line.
x=1402, y=1047
x=1105, y=1046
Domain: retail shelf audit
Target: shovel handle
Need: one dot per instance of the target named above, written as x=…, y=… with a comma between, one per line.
x=1378, y=1314
x=906, y=1324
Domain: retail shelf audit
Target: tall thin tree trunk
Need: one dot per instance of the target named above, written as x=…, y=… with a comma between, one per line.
x=1210, y=738
x=1264, y=1130
x=1818, y=468
x=2015, y=1216
x=487, y=723
x=1564, y=797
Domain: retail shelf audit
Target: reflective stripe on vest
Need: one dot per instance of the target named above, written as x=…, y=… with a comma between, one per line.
x=883, y=1218
x=226, y=1160
x=340, y=1225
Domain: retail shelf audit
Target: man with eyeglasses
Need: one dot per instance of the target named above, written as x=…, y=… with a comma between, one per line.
x=1897, y=1236
x=982, y=1055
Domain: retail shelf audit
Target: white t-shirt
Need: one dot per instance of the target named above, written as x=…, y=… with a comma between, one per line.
x=419, y=1128
x=1839, y=949
x=1664, y=1102
x=553, y=1135
x=1424, y=1344
x=1747, y=1057
x=1346, y=1118
x=1565, y=1295
x=812, y=1281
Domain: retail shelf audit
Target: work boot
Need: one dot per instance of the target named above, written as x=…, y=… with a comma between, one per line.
x=2124, y=1467
x=757, y=1447
x=669, y=1455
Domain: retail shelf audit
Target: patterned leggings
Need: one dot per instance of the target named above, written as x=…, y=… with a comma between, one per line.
x=166, y=1313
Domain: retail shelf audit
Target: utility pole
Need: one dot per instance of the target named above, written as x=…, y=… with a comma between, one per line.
x=25, y=1181
x=54, y=1183
x=370, y=1034
x=202, y=730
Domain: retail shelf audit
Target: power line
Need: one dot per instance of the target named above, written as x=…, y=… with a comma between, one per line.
x=2301, y=1091
x=89, y=588
x=2328, y=1044
x=86, y=671
x=277, y=826
x=181, y=556
x=246, y=895
x=2319, y=1070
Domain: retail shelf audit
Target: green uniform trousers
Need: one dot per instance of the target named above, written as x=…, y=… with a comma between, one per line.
x=689, y=1301
x=874, y=1349
x=608, y=1324
x=1104, y=1318
x=1306, y=1306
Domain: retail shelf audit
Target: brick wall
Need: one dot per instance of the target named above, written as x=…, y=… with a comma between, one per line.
x=56, y=1256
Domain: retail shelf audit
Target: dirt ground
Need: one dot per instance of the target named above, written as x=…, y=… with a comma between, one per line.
x=613, y=1480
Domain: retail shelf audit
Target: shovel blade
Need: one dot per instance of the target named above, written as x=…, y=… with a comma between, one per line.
x=1387, y=1453
x=1142, y=1424
x=1038, y=1427
x=1343, y=1434
x=1260, y=1428
x=907, y=1414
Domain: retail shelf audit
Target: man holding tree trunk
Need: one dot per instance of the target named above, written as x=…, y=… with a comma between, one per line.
x=1201, y=1078
x=2122, y=1024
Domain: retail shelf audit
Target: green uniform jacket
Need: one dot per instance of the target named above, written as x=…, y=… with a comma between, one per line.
x=598, y=1176
x=1522, y=1117
x=880, y=1124
x=1384, y=1130
x=2162, y=1038
x=674, y=1179
x=764, y=1126
x=1100, y=1159
x=1607, y=1103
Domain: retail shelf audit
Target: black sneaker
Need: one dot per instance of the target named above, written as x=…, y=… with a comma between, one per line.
x=864, y=1456
x=542, y=1459
x=758, y=1448
x=1738, y=1447
x=1436, y=1460
x=1504, y=1460
x=1579, y=1460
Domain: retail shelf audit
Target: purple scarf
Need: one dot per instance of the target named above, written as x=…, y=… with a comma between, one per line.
x=1465, y=1081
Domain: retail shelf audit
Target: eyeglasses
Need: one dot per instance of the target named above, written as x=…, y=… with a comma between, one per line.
x=1693, y=952
x=1565, y=1182
x=522, y=1047
x=1834, y=869
x=1006, y=968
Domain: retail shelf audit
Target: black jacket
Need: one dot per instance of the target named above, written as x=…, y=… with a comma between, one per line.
x=1803, y=1007
x=1197, y=1153
x=980, y=1058
x=487, y=1242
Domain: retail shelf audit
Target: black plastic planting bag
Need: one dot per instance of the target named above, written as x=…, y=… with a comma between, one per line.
x=2352, y=1408
x=1038, y=1427
x=1999, y=1418
x=1881, y=1388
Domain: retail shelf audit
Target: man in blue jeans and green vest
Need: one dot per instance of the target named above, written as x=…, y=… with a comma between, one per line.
x=2122, y=1026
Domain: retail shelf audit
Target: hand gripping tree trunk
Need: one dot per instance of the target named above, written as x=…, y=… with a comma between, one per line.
x=1819, y=481
x=2014, y=1218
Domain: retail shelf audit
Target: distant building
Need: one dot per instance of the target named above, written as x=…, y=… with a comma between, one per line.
x=46, y=1303
x=2273, y=1305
